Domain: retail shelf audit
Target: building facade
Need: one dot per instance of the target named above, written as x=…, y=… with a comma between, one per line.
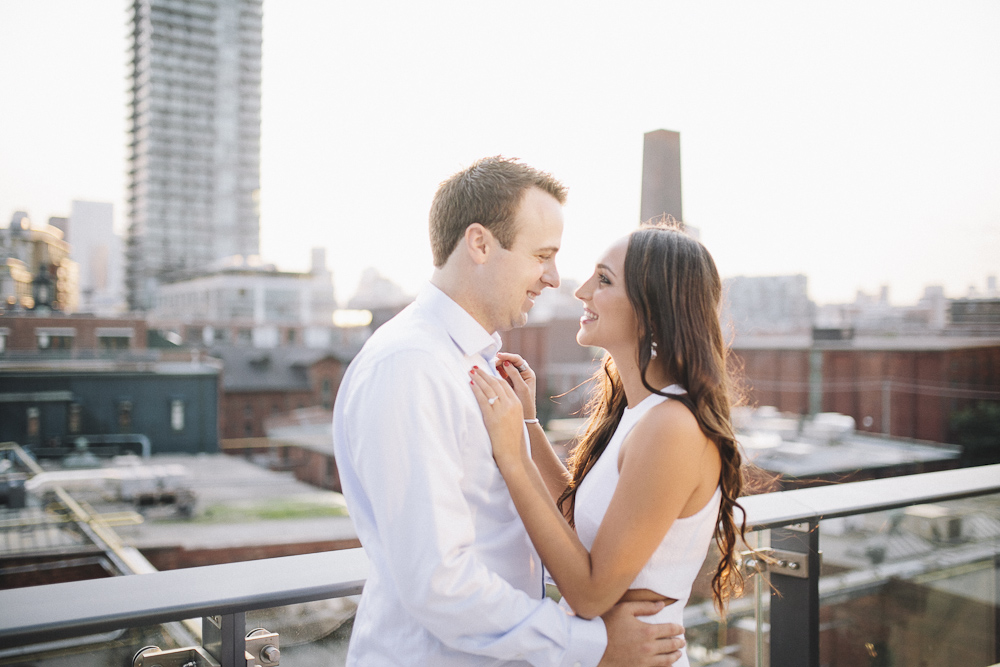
x=246, y=303
x=766, y=305
x=50, y=403
x=902, y=387
x=68, y=336
x=261, y=384
x=99, y=253
x=194, y=138
x=36, y=271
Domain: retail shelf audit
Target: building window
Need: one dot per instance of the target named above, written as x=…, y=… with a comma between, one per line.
x=292, y=335
x=326, y=395
x=114, y=338
x=33, y=427
x=74, y=419
x=124, y=416
x=177, y=414
x=47, y=341
x=114, y=342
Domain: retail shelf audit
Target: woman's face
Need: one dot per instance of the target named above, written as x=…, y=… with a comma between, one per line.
x=608, y=318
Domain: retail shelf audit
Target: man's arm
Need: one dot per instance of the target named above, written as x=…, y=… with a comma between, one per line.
x=634, y=643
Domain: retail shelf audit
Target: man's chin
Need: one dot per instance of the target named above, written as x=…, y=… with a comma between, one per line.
x=518, y=322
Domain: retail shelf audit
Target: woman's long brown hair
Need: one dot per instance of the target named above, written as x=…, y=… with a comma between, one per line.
x=674, y=288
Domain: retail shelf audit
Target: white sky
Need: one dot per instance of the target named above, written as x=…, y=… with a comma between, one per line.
x=856, y=142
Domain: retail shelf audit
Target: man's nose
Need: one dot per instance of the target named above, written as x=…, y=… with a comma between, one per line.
x=551, y=276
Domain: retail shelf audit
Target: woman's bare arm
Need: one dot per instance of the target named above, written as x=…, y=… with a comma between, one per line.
x=662, y=468
x=552, y=470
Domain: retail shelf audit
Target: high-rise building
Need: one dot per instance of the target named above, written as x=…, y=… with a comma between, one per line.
x=194, y=138
x=98, y=252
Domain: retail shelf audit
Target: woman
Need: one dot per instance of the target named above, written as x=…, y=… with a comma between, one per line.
x=657, y=472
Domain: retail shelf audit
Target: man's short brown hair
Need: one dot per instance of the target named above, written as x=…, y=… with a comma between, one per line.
x=489, y=192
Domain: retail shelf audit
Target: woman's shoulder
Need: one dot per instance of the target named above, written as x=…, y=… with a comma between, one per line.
x=674, y=412
x=670, y=424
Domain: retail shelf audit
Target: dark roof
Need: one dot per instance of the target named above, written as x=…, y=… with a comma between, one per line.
x=273, y=369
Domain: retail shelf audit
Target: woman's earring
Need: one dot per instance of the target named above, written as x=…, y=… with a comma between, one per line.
x=652, y=351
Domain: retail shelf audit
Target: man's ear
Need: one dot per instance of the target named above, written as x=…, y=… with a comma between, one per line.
x=478, y=242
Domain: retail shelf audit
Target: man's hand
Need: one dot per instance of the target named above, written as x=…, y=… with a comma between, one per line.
x=632, y=642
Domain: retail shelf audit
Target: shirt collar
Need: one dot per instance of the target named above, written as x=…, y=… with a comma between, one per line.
x=470, y=337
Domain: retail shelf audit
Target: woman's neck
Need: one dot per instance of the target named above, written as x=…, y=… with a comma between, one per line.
x=631, y=377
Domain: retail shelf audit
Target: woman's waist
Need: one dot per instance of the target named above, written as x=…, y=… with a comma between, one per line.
x=645, y=595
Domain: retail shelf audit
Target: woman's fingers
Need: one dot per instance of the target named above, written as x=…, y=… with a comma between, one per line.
x=518, y=382
x=515, y=360
x=499, y=387
x=481, y=397
x=491, y=387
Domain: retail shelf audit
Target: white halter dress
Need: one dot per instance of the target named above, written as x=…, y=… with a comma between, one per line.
x=676, y=562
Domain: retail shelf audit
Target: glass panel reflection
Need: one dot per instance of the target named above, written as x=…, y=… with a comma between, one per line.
x=112, y=649
x=311, y=633
x=912, y=586
x=735, y=639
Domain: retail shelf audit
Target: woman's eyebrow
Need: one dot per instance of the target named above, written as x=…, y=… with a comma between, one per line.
x=607, y=268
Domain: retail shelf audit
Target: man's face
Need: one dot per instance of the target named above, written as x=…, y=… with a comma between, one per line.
x=521, y=273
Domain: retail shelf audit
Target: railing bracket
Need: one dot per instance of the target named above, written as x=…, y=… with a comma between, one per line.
x=778, y=561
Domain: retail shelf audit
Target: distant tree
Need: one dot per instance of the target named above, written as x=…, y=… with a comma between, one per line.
x=977, y=429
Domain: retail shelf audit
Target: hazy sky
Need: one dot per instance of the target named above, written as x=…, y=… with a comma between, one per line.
x=856, y=142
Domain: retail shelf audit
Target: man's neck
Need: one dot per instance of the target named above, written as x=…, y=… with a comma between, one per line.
x=462, y=291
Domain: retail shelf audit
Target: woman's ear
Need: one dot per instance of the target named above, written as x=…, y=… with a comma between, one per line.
x=478, y=241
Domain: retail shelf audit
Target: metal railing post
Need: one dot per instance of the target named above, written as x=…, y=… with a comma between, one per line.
x=234, y=640
x=795, y=595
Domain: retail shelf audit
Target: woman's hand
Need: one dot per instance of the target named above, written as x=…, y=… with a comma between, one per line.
x=521, y=378
x=502, y=414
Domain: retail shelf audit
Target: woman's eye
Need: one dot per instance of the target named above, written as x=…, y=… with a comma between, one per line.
x=603, y=278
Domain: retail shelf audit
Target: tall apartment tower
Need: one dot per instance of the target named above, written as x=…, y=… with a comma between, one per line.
x=194, y=138
x=661, y=175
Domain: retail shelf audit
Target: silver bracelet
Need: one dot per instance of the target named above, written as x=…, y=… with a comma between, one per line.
x=530, y=421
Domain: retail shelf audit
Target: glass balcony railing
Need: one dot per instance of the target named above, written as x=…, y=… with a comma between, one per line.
x=899, y=571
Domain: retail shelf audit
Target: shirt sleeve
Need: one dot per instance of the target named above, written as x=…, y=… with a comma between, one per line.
x=404, y=420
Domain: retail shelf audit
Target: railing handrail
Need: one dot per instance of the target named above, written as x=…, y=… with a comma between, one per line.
x=784, y=508
x=57, y=611
x=78, y=608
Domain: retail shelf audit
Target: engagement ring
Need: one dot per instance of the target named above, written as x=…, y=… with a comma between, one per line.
x=522, y=368
x=492, y=400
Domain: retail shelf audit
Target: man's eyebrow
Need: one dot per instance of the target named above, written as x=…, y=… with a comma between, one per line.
x=606, y=268
x=551, y=248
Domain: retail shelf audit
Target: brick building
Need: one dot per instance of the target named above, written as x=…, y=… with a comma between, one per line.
x=257, y=384
x=904, y=387
x=70, y=334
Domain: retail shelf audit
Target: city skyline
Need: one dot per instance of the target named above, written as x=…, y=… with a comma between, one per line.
x=857, y=145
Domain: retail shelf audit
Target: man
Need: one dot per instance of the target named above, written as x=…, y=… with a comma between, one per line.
x=454, y=579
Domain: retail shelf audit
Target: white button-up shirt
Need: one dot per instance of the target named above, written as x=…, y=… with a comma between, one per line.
x=454, y=579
